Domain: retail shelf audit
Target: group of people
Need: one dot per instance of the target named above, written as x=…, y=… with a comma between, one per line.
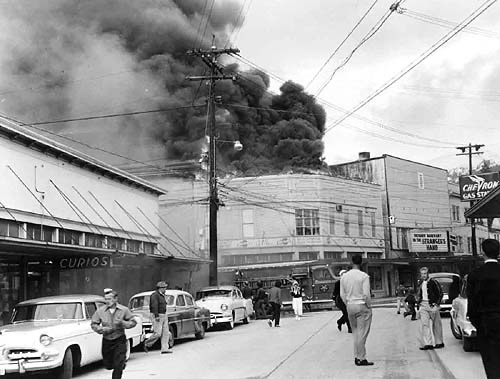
x=112, y=319
x=353, y=298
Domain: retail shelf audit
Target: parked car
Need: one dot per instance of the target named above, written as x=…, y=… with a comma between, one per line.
x=460, y=325
x=185, y=318
x=53, y=334
x=450, y=284
x=226, y=304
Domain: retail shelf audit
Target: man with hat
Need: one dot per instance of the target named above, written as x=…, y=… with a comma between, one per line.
x=158, y=310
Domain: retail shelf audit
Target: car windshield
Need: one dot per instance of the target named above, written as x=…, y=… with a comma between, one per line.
x=445, y=283
x=54, y=311
x=214, y=293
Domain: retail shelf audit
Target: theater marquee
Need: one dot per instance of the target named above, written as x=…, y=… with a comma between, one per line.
x=429, y=241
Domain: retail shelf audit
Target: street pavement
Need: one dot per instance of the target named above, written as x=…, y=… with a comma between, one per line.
x=311, y=348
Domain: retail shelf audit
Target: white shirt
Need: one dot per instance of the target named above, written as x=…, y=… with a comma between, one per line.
x=355, y=287
x=425, y=296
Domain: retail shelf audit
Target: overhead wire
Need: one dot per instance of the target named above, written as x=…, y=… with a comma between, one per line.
x=341, y=44
x=480, y=10
x=367, y=37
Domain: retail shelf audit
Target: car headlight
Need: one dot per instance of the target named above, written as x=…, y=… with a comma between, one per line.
x=46, y=340
x=223, y=307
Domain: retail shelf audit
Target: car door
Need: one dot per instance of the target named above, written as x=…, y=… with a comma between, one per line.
x=180, y=313
x=189, y=315
x=238, y=306
x=91, y=352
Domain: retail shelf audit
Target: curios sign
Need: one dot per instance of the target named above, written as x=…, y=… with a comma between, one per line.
x=81, y=262
x=475, y=187
x=430, y=241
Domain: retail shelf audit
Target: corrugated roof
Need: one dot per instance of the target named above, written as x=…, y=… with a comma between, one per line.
x=23, y=135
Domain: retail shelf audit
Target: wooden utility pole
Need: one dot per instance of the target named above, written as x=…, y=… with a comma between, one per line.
x=210, y=57
x=470, y=153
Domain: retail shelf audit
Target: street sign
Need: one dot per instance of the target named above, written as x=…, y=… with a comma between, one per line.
x=475, y=187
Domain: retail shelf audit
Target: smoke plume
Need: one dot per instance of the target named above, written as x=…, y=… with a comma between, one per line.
x=64, y=59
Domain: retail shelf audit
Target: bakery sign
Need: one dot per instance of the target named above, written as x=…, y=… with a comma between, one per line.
x=475, y=187
x=431, y=241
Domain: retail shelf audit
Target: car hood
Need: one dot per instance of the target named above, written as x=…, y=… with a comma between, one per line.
x=32, y=330
x=213, y=303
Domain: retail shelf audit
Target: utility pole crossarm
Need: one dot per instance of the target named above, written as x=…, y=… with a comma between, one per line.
x=207, y=77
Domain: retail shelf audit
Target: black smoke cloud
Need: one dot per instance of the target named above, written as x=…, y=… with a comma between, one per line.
x=70, y=58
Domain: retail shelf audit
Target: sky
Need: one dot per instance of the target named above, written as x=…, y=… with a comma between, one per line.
x=63, y=59
x=448, y=100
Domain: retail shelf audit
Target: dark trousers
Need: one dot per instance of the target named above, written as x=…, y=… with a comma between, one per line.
x=114, y=355
x=488, y=335
x=345, y=318
x=276, y=308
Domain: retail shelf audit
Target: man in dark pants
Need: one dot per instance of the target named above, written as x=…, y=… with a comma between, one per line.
x=341, y=305
x=483, y=307
x=275, y=301
x=111, y=320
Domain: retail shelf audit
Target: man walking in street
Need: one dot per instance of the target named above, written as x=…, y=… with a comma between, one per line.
x=429, y=298
x=341, y=305
x=483, y=307
x=158, y=310
x=111, y=320
x=400, y=293
x=275, y=301
x=355, y=292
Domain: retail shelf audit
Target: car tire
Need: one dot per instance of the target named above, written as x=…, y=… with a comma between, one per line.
x=455, y=329
x=246, y=319
x=171, y=337
x=66, y=370
x=468, y=344
x=201, y=334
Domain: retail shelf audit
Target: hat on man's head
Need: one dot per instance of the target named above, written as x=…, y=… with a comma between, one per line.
x=107, y=290
x=161, y=284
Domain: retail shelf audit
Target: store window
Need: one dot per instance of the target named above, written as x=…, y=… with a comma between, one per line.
x=9, y=228
x=149, y=248
x=307, y=222
x=133, y=246
x=115, y=243
x=375, y=277
x=94, y=240
x=38, y=232
x=374, y=255
x=333, y=255
x=402, y=238
x=308, y=255
x=69, y=237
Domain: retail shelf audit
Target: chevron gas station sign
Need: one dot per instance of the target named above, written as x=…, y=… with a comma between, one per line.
x=475, y=187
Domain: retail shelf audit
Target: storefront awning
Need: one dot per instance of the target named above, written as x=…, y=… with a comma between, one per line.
x=488, y=207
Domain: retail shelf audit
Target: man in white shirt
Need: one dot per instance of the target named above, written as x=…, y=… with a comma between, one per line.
x=355, y=291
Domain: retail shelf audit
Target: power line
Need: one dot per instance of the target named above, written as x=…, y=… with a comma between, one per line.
x=370, y=34
x=341, y=44
x=415, y=63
